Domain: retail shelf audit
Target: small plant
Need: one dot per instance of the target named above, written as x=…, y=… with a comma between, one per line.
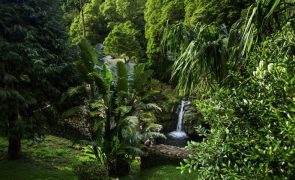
x=91, y=170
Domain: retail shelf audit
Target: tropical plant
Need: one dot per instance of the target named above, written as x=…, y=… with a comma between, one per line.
x=252, y=125
x=264, y=17
x=111, y=107
x=200, y=56
x=215, y=52
x=122, y=134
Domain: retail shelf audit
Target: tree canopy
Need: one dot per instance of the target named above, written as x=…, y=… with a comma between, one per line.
x=34, y=54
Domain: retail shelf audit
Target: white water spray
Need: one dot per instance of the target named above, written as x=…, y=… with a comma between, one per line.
x=179, y=133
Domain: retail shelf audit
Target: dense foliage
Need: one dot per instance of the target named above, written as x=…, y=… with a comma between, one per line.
x=122, y=41
x=252, y=125
x=34, y=56
x=250, y=107
x=95, y=24
x=157, y=14
x=220, y=11
x=234, y=59
x=91, y=170
x=125, y=19
x=113, y=108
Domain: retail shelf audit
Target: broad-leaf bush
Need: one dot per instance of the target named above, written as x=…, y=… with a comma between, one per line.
x=91, y=170
x=252, y=132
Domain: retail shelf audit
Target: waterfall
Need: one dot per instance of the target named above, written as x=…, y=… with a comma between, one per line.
x=179, y=133
x=180, y=115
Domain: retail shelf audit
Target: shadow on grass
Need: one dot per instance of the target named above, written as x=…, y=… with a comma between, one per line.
x=28, y=169
x=53, y=158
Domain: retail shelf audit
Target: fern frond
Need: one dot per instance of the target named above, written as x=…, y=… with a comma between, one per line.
x=135, y=151
x=149, y=106
x=89, y=56
x=100, y=83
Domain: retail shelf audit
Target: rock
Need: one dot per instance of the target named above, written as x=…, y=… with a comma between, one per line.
x=192, y=118
x=163, y=154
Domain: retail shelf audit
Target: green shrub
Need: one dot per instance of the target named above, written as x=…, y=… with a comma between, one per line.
x=91, y=170
x=253, y=124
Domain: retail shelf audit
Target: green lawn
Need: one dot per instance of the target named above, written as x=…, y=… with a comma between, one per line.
x=164, y=172
x=54, y=158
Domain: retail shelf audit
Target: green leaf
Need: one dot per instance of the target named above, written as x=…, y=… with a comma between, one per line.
x=122, y=77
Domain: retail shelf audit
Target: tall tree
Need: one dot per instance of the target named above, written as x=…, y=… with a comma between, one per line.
x=156, y=15
x=123, y=41
x=220, y=11
x=90, y=23
x=34, y=56
x=126, y=16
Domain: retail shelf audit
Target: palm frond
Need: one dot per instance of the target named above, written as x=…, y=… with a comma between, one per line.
x=74, y=111
x=203, y=61
x=149, y=106
x=135, y=151
x=248, y=34
x=122, y=77
x=274, y=6
x=153, y=135
x=140, y=76
x=176, y=38
x=88, y=54
x=100, y=82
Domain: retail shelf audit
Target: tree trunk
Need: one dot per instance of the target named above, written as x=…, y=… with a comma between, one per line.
x=82, y=16
x=14, y=148
x=14, y=138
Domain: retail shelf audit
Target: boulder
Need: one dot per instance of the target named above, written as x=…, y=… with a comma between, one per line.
x=162, y=154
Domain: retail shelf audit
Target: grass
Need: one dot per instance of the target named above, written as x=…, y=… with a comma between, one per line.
x=54, y=159
x=164, y=172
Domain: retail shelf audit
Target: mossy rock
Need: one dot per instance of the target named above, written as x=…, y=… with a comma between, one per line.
x=163, y=154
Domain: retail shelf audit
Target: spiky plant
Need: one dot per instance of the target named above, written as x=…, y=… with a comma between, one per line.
x=263, y=18
x=205, y=61
x=202, y=61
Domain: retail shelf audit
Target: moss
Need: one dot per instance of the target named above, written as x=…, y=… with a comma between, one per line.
x=52, y=158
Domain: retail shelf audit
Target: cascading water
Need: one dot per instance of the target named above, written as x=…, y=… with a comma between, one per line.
x=179, y=134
